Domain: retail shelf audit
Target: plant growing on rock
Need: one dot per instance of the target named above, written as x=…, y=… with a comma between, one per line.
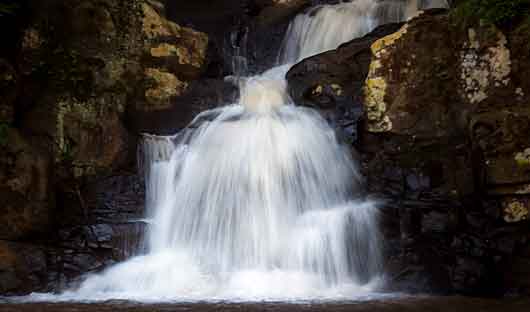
x=8, y=8
x=497, y=12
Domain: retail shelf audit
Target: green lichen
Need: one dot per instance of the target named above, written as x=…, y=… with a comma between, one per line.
x=523, y=158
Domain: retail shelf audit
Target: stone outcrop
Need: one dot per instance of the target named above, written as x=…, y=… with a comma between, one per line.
x=333, y=81
x=445, y=133
x=86, y=73
x=443, y=142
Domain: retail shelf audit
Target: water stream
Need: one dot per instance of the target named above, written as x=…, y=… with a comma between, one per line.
x=257, y=200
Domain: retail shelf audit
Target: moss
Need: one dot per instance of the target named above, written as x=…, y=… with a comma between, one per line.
x=9, y=7
x=502, y=13
x=67, y=152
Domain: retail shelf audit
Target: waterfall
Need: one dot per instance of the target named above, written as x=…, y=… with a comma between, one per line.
x=325, y=27
x=257, y=200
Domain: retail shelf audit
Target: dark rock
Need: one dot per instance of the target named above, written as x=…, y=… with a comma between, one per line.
x=22, y=267
x=8, y=88
x=435, y=222
x=25, y=189
x=332, y=81
x=200, y=96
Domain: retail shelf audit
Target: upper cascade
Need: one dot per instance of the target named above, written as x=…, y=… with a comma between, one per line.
x=325, y=27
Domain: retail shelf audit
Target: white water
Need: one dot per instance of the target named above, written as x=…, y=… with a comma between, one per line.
x=326, y=27
x=256, y=200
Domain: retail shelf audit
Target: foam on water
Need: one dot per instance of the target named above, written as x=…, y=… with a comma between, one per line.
x=257, y=200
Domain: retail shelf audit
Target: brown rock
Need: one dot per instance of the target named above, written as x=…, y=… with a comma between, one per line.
x=165, y=87
x=22, y=268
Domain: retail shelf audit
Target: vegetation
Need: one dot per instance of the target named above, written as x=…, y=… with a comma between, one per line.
x=9, y=7
x=4, y=127
x=501, y=13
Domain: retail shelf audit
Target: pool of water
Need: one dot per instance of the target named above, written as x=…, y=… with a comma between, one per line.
x=402, y=304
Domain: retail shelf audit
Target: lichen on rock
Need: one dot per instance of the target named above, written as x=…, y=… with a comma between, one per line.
x=481, y=70
x=375, y=90
x=516, y=210
x=523, y=158
x=32, y=39
x=166, y=85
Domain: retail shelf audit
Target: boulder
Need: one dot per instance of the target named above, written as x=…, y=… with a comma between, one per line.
x=333, y=81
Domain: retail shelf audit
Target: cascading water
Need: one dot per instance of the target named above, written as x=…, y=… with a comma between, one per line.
x=256, y=200
x=326, y=27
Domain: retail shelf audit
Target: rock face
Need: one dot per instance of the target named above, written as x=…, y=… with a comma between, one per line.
x=73, y=100
x=444, y=144
x=440, y=118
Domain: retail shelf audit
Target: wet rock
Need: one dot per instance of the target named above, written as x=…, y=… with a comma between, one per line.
x=468, y=274
x=22, y=267
x=200, y=95
x=332, y=81
x=435, y=222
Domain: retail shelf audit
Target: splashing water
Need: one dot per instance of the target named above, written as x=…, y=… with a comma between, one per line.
x=256, y=200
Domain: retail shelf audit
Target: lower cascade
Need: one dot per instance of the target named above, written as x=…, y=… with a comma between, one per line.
x=254, y=200
x=257, y=200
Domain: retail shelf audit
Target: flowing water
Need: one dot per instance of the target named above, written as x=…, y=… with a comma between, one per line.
x=257, y=200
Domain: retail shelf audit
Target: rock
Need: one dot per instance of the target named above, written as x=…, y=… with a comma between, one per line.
x=435, y=222
x=516, y=209
x=187, y=57
x=165, y=86
x=468, y=274
x=449, y=105
x=88, y=137
x=332, y=81
x=395, y=99
x=200, y=96
x=67, y=157
x=25, y=189
x=8, y=83
x=22, y=268
x=278, y=11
